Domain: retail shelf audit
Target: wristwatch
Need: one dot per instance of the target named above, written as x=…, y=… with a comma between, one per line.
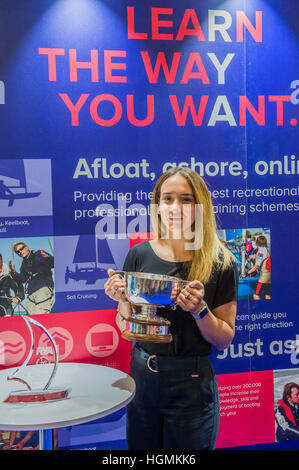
x=204, y=310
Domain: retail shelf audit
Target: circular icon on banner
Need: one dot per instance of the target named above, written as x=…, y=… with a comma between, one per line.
x=102, y=340
x=12, y=348
x=63, y=340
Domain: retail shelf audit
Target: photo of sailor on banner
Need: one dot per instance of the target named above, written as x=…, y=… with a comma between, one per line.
x=26, y=276
x=81, y=272
x=25, y=194
x=286, y=404
x=251, y=247
x=11, y=291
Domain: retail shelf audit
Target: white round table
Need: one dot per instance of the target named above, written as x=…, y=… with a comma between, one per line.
x=95, y=391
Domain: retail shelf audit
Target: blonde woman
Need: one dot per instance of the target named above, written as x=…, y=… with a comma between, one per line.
x=176, y=407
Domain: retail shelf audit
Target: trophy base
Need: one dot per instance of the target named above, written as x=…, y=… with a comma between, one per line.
x=37, y=396
x=167, y=338
x=142, y=327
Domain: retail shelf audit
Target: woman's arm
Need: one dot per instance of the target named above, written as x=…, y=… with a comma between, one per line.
x=124, y=311
x=115, y=289
x=217, y=326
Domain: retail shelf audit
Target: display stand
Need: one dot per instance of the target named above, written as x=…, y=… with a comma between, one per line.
x=95, y=391
x=46, y=439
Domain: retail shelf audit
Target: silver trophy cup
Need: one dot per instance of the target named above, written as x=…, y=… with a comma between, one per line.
x=146, y=293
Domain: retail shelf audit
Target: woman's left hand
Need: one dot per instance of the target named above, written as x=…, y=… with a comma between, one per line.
x=191, y=297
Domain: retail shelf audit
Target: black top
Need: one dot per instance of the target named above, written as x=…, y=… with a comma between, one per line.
x=187, y=339
x=36, y=271
x=7, y=286
x=287, y=421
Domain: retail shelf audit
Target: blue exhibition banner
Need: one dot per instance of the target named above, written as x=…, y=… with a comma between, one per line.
x=98, y=98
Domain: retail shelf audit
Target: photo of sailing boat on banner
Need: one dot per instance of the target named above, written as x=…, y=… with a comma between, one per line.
x=252, y=250
x=81, y=272
x=25, y=197
x=26, y=276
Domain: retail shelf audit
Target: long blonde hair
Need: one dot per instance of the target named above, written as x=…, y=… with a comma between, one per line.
x=211, y=253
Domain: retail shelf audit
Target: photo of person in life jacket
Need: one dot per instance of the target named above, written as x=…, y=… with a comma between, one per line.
x=261, y=259
x=287, y=414
x=250, y=249
x=11, y=291
x=36, y=275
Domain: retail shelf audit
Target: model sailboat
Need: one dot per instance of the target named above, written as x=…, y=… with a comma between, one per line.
x=42, y=394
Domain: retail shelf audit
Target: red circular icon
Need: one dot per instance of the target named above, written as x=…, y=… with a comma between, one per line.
x=102, y=340
x=12, y=348
x=63, y=339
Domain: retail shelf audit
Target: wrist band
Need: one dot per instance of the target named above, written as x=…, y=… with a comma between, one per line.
x=204, y=310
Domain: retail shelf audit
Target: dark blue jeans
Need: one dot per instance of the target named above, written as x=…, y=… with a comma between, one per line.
x=176, y=408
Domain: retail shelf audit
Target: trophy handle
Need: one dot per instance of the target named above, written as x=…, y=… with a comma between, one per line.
x=185, y=283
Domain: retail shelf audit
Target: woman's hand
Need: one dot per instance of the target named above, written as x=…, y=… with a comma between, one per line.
x=218, y=326
x=115, y=287
x=191, y=297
